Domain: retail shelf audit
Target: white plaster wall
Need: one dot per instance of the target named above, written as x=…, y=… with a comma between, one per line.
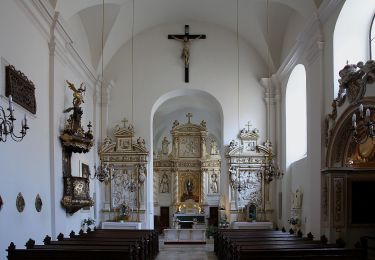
x=25, y=165
x=295, y=25
x=34, y=166
x=354, y=20
x=158, y=70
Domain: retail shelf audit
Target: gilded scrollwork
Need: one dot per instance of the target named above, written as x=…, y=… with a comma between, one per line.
x=190, y=165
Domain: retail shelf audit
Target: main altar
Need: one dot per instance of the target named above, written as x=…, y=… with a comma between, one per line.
x=187, y=176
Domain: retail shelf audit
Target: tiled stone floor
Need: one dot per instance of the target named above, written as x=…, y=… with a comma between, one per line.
x=186, y=252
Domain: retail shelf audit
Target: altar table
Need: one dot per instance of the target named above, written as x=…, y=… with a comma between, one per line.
x=252, y=225
x=122, y=225
x=184, y=236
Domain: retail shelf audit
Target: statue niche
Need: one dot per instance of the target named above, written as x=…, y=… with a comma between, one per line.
x=194, y=171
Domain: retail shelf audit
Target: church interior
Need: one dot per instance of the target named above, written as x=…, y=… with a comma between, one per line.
x=188, y=118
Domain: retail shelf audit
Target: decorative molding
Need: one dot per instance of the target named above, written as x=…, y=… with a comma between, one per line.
x=338, y=202
x=311, y=35
x=42, y=15
x=354, y=80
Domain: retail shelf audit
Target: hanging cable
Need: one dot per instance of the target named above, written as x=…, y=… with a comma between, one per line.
x=102, y=77
x=132, y=64
x=238, y=71
x=269, y=78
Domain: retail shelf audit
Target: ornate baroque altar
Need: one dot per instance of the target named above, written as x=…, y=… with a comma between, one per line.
x=128, y=158
x=187, y=179
x=249, y=188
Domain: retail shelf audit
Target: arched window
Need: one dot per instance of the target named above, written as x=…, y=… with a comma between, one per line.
x=372, y=38
x=351, y=34
x=295, y=107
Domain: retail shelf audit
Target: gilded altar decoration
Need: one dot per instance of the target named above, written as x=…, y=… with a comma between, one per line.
x=38, y=203
x=347, y=127
x=190, y=170
x=76, y=194
x=20, y=88
x=127, y=156
x=20, y=202
x=75, y=139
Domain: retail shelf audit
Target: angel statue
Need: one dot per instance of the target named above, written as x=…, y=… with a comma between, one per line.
x=77, y=95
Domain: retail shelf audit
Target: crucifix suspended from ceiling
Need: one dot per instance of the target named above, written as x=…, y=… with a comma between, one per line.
x=186, y=39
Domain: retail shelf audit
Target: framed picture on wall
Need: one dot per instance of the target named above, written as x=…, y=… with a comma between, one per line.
x=84, y=170
x=84, y=173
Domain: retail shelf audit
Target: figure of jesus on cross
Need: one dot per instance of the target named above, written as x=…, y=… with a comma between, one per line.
x=186, y=39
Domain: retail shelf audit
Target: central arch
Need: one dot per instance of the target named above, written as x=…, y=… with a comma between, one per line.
x=174, y=105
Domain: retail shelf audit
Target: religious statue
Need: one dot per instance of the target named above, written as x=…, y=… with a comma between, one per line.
x=141, y=142
x=233, y=175
x=297, y=199
x=165, y=148
x=164, y=184
x=189, y=186
x=175, y=123
x=77, y=94
x=214, y=150
x=214, y=185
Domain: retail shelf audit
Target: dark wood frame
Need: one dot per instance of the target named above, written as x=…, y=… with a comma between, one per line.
x=21, y=88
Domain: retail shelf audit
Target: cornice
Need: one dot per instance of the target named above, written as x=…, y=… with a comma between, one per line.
x=310, y=40
x=42, y=15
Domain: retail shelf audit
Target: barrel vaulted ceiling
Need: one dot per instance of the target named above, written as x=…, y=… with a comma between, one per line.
x=252, y=21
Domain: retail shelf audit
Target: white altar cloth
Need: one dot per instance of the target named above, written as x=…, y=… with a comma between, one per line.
x=122, y=225
x=252, y=225
x=188, y=236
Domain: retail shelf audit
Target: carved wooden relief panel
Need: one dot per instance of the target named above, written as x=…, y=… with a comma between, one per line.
x=338, y=201
x=21, y=88
x=189, y=147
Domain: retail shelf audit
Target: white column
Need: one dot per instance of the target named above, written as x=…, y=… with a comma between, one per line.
x=52, y=122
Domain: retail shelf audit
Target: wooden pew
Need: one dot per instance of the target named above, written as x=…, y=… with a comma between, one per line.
x=272, y=245
x=98, y=244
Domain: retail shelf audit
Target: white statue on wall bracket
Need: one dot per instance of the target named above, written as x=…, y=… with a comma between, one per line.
x=297, y=199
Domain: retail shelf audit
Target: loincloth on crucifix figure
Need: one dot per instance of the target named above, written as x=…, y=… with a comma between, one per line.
x=188, y=191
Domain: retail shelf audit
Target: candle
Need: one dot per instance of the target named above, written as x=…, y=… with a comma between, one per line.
x=354, y=118
x=361, y=110
x=10, y=103
x=25, y=119
x=367, y=113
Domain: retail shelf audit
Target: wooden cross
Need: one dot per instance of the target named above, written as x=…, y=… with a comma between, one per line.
x=186, y=39
x=248, y=126
x=189, y=116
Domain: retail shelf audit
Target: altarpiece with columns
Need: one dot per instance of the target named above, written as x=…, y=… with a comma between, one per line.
x=249, y=187
x=125, y=191
x=187, y=176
